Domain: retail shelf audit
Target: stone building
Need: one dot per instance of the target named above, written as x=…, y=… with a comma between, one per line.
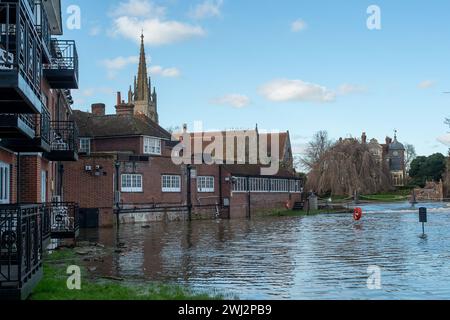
x=390, y=154
x=145, y=100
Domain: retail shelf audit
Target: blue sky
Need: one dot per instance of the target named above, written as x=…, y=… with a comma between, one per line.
x=292, y=65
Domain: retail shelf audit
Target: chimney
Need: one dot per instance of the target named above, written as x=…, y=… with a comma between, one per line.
x=98, y=109
x=364, y=138
x=119, y=98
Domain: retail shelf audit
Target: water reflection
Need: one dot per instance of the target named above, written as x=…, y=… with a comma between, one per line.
x=320, y=257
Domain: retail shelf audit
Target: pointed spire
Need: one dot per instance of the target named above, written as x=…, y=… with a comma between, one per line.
x=142, y=80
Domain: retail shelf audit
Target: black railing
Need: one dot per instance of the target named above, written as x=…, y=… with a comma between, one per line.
x=43, y=27
x=43, y=126
x=64, y=136
x=20, y=245
x=62, y=71
x=20, y=49
x=64, y=219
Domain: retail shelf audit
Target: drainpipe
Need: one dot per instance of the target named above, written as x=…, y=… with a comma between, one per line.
x=60, y=181
x=117, y=193
x=189, y=192
x=18, y=180
x=249, y=209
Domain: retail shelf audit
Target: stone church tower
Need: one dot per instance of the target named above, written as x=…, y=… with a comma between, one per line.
x=145, y=101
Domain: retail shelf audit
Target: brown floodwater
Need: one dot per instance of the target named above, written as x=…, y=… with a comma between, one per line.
x=316, y=257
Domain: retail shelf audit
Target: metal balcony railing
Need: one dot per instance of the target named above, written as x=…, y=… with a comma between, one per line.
x=43, y=28
x=43, y=126
x=64, y=219
x=62, y=71
x=20, y=58
x=20, y=246
x=20, y=45
x=64, y=136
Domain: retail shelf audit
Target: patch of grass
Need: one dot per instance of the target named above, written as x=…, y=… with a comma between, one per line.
x=384, y=197
x=54, y=285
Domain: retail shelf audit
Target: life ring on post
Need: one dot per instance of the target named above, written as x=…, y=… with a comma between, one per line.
x=357, y=214
x=288, y=205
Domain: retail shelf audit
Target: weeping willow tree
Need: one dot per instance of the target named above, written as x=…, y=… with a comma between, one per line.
x=346, y=167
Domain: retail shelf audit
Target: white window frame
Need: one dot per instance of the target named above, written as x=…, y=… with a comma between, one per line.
x=205, y=184
x=82, y=146
x=5, y=183
x=131, y=183
x=152, y=146
x=171, y=183
x=43, y=186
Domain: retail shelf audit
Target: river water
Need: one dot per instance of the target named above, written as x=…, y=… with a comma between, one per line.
x=315, y=257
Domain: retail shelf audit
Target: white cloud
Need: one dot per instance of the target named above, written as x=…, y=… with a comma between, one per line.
x=298, y=25
x=347, y=89
x=164, y=72
x=426, y=84
x=283, y=90
x=113, y=66
x=133, y=16
x=234, y=100
x=445, y=139
x=138, y=8
x=206, y=9
x=95, y=31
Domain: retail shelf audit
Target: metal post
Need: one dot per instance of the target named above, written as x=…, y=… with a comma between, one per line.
x=189, y=192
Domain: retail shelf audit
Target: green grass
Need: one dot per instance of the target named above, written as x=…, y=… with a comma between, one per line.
x=53, y=286
x=384, y=197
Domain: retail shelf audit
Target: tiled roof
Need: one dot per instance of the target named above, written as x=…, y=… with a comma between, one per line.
x=90, y=125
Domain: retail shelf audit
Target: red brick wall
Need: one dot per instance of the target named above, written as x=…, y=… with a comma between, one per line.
x=130, y=144
x=259, y=203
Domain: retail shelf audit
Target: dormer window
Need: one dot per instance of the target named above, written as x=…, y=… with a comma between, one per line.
x=152, y=146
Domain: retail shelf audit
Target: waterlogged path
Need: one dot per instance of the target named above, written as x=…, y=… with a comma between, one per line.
x=316, y=257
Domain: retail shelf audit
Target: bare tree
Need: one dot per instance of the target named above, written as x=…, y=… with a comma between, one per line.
x=317, y=147
x=347, y=167
x=410, y=155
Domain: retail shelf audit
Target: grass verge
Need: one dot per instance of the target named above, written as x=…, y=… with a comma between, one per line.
x=54, y=285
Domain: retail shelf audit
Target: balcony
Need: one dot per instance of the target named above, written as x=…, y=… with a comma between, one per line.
x=20, y=59
x=64, y=219
x=41, y=140
x=62, y=71
x=20, y=250
x=17, y=126
x=63, y=141
x=43, y=29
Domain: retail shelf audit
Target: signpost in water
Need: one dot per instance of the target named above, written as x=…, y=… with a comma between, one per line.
x=423, y=218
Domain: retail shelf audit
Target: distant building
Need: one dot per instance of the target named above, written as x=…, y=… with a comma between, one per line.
x=145, y=100
x=391, y=154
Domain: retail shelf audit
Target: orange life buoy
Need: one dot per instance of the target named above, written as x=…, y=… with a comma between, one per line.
x=357, y=214
x=288, y=204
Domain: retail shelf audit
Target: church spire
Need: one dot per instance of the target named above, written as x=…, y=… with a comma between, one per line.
x=142, y=80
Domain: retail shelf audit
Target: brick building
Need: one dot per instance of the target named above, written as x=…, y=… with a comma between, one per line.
x=126, y=161
x=37, y=71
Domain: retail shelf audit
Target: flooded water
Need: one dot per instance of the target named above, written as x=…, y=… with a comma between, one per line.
x=316, y=257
